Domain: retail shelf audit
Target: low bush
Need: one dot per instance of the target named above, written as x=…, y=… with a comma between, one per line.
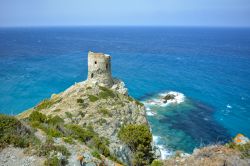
x=68, y=115
x=53, y=161
x=47, y=103
x=80, y=133
x=48, y=147
x=102, y=121
x=55, y=120
x=105, y=112
x=89, y=137
x=48, y=124
x=82, y=114
x=106, y=93
x=80, y=101
x=244, y=149
x=13, y=132
x=93, y=98
x=37, y=116
x=57, y=110
x=138, y=138
x=53, y=132
x=68, y=140
x=96, y=154
x=157, y=163
x=99, y=144
x=88, y=88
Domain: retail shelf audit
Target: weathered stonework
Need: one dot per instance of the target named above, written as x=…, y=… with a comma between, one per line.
x=99, y=69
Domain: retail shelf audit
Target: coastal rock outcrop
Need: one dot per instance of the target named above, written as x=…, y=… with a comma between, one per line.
x=240, y=139
x=101, y=103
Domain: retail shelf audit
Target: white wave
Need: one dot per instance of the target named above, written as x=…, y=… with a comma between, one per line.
x=165, y=153
x=160, y=101
x=155, y=139
x=206, y=119
x=229, y=106
x=149, y=113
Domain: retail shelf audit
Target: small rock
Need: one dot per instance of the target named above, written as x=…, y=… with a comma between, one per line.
x=240, y=139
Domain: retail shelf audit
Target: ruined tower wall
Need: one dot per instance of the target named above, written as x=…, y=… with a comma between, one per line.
x=99, y=69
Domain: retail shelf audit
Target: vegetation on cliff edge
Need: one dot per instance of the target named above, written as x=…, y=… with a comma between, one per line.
x=13, y=132
x=138, y=138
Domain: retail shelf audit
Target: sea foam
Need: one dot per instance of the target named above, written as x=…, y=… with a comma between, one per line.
x=160, y=101
x=165, y=153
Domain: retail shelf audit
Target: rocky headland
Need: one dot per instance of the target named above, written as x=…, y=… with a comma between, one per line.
x=96, y=122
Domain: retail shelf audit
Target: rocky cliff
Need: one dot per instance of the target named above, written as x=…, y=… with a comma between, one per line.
x=103, y=110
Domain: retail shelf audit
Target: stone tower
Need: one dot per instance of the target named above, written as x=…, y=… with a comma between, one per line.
x=99, y=69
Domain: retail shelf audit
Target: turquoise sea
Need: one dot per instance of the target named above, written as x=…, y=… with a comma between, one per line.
x=209, y=66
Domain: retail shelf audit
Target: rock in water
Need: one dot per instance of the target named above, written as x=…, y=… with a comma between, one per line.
x=168, y=97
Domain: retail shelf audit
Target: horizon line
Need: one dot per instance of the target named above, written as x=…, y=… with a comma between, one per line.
x=160, y=26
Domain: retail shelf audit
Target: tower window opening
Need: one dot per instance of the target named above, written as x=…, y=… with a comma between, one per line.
x=92, y=75
x=107, y=66
x=95, y=62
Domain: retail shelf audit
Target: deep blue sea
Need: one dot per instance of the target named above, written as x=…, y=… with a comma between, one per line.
x=209, y=66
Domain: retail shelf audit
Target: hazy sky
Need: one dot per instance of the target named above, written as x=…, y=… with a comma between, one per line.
x=125, y=12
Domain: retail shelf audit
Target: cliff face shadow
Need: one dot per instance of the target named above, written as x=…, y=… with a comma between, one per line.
x=199, y=124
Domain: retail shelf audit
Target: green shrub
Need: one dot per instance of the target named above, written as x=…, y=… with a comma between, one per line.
x=138, y=138
x=68, y=140
x=35, y=124
x=12, y=131
x=88, y=88
x=101, y=121
x=37, y=116
x=157, y=163
x=80, y=133
x=114, y=158
x=96, y=154
x=53, y=132
x=105, y=140
x=89, y=137
x=68, y=115
x=105, y=112
x=244, y=149
x=80, y=101
x=63, y=150
x=130, y=98
x=106, y=93
x=55, y=120
x=48, y=146
x=47, y=124
x=90, y=128
x=47, y=103
x=57, y=110
x=54, y=161
x=134, y=135
x=82, y=114
x=100, y=145
x=93, y=98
